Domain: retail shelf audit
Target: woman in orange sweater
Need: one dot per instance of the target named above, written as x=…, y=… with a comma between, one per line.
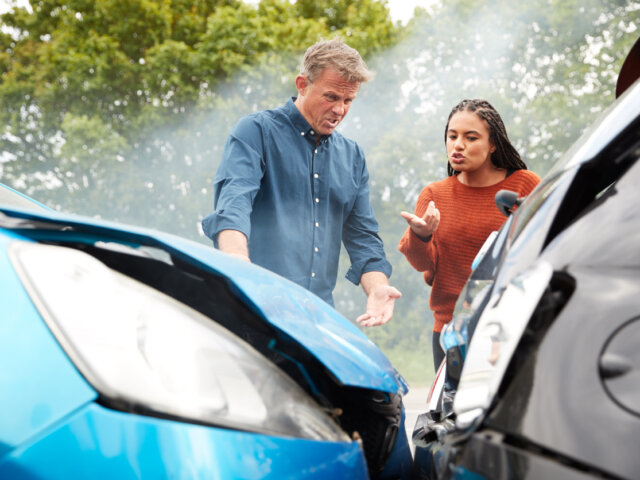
x=454, y=216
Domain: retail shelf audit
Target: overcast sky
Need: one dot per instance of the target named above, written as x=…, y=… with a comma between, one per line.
x=403, y=9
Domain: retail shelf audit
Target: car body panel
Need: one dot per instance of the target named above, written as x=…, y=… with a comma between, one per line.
x=50, y=386
x=96, y=442
x=358, y=362
x=562, y=385
x=488, y=458
x=610, y=221
x=605, y=301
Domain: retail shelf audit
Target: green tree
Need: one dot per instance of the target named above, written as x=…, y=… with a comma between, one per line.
x=149, y=74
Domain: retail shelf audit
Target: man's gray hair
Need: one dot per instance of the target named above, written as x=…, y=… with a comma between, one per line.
x=337, y=55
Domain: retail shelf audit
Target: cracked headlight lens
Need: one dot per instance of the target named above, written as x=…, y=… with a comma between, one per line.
x=143, y=351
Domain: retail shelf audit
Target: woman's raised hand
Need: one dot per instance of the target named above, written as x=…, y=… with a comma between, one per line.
x=426, y=225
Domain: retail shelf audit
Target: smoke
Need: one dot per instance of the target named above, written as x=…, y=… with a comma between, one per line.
x=549, y=75
x=508, y=54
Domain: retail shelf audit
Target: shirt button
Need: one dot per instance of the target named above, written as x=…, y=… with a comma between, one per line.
x=313, y=274
x=317, y=200
x=315, y=151
x=317, y=224
x=316, y=249
x=315, y=175
x=302, y=133
x=312, y=132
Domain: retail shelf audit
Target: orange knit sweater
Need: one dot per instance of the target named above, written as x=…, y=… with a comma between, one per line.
x=467, y=216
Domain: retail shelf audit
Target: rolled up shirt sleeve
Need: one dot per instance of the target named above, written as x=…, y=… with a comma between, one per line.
x=360, y=236
x=237, y=181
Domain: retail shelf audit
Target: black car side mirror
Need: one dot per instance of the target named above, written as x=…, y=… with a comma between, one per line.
x=506, y=200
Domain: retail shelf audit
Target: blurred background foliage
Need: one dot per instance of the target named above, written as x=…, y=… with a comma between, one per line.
x=119, y=109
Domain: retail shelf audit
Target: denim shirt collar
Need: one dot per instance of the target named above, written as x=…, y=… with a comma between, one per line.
x=300, y=123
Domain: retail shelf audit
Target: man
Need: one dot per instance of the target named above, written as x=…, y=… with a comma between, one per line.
x=289, y=189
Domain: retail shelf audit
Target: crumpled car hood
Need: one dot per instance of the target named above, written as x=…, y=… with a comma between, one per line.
x=338, y=344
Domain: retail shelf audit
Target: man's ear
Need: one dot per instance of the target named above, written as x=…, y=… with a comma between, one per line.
x=301, y=84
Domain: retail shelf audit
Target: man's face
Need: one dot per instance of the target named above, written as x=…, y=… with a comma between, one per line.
x=326, y=101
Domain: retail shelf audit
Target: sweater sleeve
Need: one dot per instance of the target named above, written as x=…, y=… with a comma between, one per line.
x=523, y=182
x=531, y=181
x=421, y=255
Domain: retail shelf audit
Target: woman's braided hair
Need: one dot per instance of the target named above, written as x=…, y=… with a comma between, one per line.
x=505, y=155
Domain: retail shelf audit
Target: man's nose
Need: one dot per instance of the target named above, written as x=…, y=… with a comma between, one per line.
x=339, y=108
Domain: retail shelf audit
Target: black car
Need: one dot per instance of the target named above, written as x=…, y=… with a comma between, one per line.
x=542, y=373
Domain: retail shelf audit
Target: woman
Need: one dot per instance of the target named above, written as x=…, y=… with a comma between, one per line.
x=454, y=216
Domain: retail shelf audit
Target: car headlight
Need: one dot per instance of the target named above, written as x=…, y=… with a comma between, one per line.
x=144, y=351
x=496, y=336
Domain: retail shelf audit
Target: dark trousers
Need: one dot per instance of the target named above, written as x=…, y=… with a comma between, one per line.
x=438, y=353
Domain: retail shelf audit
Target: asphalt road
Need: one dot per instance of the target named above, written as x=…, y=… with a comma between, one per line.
x=415, y=403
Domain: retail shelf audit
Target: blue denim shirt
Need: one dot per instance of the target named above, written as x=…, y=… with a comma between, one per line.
x=297, y=201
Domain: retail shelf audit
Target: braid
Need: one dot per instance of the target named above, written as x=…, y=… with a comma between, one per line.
x=505, y=155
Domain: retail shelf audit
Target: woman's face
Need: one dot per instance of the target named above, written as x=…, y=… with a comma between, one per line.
x=468, y=145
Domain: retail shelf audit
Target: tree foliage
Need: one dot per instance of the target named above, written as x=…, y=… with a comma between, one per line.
x=134, y=68
x=120, y=109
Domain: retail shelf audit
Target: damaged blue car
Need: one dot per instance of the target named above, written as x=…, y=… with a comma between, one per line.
x=130, y=353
